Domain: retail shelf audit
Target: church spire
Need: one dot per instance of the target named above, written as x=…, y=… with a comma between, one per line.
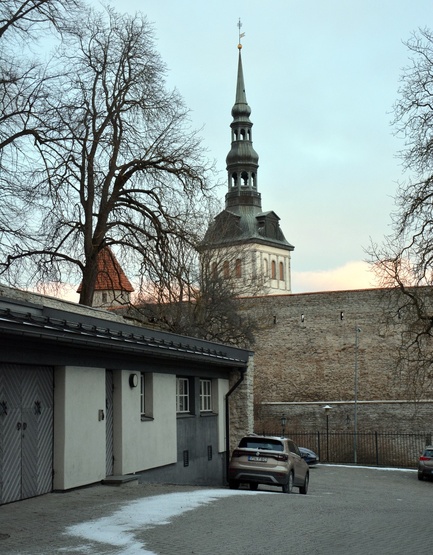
x=241, y=98
x=242, y=160
x=244, y=243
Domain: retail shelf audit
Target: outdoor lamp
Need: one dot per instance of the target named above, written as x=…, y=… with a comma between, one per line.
x=283, y=425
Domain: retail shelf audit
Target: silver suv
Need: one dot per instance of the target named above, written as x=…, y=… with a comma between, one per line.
x=425, y=463
x=269, y=460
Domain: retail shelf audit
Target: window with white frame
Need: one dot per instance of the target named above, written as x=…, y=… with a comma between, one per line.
x=182, y=395
x=205, y=395
x=146, y=395
x=143, y=394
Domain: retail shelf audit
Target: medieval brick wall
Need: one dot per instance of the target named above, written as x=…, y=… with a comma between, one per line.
x=307, y=351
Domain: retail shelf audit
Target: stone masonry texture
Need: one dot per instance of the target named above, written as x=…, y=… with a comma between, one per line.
x=308, y=350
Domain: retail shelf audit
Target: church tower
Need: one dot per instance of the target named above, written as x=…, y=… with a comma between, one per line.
x=244, y=243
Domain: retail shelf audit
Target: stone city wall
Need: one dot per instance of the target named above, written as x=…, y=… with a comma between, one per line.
x=372, y=416
x=311, y=347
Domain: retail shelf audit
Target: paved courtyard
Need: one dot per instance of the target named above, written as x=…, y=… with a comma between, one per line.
x=347, y=510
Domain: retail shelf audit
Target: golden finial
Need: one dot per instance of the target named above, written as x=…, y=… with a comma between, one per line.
x=241, y=35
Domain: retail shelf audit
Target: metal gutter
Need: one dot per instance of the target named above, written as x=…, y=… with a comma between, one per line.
x=132, y=340
x=230, y=391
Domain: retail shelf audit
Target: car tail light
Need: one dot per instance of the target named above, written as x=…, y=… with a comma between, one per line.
x=425, y=458
x=282, y=457
x=237, y=453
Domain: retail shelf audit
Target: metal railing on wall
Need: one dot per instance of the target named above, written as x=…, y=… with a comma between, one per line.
x=391, y=449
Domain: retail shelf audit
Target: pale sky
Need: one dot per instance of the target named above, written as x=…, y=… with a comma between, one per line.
x=321, y=78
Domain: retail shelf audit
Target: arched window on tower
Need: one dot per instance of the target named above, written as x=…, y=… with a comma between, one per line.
x=244, y=178
x=273, y=270
x=214, y=270
x=281, y=271
x=226, y=269
x=234, y=180
x=249, y=134
x=238, y=268
x=242, y=137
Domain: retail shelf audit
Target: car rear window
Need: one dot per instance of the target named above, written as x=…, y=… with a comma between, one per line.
x=428, y=453
x=256, y=443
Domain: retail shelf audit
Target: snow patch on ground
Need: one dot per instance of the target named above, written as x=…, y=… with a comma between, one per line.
x=394, y=469
x=118, y=530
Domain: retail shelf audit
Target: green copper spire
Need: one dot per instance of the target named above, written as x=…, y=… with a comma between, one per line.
x=242, y=160
x=262, y=246
x=241, y=108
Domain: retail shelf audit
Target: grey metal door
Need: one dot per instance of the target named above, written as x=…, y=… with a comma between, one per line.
x=109, y=450
x=26, y=431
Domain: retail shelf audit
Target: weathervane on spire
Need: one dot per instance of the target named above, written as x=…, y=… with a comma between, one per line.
x=241, y=35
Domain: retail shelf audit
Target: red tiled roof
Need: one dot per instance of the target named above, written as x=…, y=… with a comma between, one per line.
x=110, y=276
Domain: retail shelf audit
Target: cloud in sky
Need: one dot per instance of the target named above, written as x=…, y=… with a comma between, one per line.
x=353, y=275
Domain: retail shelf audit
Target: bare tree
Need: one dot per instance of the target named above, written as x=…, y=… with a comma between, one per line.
x=119, y=165
x=24, y=80
x=28, y=17
x=403, y=262
x=199, y=299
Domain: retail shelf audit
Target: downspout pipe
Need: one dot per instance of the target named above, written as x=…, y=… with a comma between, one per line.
x=230, y=391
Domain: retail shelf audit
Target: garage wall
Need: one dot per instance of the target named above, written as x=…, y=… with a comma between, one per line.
x=143, y=444
x=79, y=431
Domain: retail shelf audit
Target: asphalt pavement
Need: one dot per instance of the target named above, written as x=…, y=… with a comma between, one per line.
x=347, y=510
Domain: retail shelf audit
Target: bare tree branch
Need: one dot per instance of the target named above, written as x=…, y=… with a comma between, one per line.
x=403, y=263
x=118, y=164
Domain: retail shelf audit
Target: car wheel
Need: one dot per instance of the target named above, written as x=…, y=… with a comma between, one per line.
x=233, y=484
x=420, y=476
x=288, y=486
x=254, y=486
x=303, y=489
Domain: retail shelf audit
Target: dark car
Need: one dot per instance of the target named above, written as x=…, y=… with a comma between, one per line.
x=268, y=460
x=309, y=456
x=425, y=463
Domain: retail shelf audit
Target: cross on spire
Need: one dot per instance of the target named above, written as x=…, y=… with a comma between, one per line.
x=241, y=35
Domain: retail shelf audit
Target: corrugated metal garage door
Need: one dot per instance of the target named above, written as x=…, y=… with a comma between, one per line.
x=26, y=431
